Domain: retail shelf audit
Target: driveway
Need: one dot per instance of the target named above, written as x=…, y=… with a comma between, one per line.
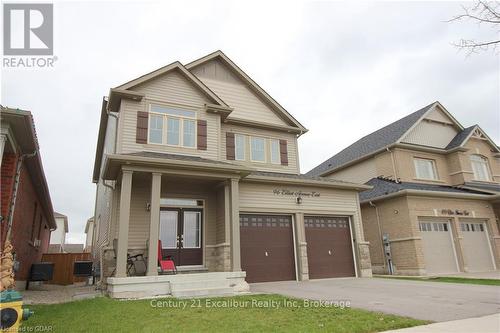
x=436, y=301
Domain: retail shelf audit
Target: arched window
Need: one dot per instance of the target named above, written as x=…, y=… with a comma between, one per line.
x=480, y=167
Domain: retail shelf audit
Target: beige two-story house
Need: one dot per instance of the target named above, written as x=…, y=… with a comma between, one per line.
x=436, y=188
x=202, y=158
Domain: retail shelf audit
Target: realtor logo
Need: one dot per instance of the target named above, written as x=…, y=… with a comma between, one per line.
x=28, y=29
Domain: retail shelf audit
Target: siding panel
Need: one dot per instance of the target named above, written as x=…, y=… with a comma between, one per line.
x=261, y=196
x=431, y=134
x=128, y=123
x=235, y=93
x=293, y=163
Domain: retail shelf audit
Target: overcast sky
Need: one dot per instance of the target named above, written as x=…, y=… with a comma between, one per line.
x=342, y=69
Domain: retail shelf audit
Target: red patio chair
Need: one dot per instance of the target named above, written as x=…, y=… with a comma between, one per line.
x=167, y=264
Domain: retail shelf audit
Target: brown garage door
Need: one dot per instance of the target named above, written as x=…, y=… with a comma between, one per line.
x=329, y=249
x=267, y=247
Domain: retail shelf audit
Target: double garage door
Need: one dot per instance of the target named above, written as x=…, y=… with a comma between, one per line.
x=440, y=254
x=268, y=251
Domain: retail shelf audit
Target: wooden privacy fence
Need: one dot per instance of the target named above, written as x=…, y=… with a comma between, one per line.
x=63, y=266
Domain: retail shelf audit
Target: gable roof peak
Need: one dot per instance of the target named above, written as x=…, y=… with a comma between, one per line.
x=261, y=93
x=373, y=142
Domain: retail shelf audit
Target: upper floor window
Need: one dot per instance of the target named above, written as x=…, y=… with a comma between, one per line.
x=480, y=167
x=239, y=146
x=425, y=169
x=258, y=146
x=275, y=151
x=179, y=128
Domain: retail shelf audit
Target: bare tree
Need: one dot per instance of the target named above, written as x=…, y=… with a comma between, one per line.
x=482, y=13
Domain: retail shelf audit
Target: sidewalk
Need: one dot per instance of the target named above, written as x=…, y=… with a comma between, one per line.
x=484, y=324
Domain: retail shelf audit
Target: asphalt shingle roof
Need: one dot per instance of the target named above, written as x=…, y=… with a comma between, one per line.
x=487, y=187
x=460, y=137
x=300, y=176
x=176, y=157
x=383, y=187
x=372, y=142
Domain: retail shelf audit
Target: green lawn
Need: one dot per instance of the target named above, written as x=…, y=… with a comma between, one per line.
x=450, y=279
x=107, y=315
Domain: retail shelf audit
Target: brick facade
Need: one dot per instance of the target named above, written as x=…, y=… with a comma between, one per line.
x=398, y=217
x=30, y=222
x=9, y=162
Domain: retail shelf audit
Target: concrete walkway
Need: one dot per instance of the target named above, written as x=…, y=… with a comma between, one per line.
x=486, y=324
x=52, y=294
x=435, y=301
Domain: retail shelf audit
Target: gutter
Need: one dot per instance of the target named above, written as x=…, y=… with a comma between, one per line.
x=13, y=199
x=307, y=182
x=427, y=193
x=186, y=164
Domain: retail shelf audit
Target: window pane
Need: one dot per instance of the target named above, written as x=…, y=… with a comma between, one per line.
x=258, y=149
x=192, y=229
x=155, y=128
x=168, y=229
x=173, y=125
x=425, y=169
x=480, y=168
x=275, y=152
x=172, y=111
x=189, y=133
x=239, y=142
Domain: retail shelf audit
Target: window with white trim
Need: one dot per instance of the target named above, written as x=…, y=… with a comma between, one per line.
x=480, y=168
x=275, y=151
x=156, y=128
x=239, y=147
x=425, y=169
x=172, y=126
x=258, y=149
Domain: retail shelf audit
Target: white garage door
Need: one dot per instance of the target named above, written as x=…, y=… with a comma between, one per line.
x=439, y=251
x=478, y=255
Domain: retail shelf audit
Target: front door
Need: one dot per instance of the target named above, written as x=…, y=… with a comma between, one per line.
x=180, y=234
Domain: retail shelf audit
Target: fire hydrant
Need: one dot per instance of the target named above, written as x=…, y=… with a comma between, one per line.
x=11, y=311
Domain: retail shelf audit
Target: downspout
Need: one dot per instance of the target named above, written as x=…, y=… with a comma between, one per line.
x=379, y=232
x=13, y=200
x=112, y=188
x=393, y=164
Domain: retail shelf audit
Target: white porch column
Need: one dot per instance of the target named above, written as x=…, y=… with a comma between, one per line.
x=235, y=225
x=154, y=224
x=123, y=223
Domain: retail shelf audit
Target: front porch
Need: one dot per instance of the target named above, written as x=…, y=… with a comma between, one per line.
x=179, y=285
x=193, y=213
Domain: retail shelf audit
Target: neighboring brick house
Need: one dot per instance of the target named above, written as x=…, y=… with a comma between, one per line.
x=28, y=209
x=436, y=194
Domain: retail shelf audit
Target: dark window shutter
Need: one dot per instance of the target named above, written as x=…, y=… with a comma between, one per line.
x=284, y=152
x=230, y=146
x=142, y=127
x=202, y=134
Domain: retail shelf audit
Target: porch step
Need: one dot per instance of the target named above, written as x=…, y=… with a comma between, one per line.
x=205, y=292
x=198, y=284
x=181, y=270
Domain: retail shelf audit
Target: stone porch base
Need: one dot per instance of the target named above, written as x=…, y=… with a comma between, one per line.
x=179, y=285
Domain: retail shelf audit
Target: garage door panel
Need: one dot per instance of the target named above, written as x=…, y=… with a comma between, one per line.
x=267, y=252
x=477, y=250
x=329, y=247
x=437, y=244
